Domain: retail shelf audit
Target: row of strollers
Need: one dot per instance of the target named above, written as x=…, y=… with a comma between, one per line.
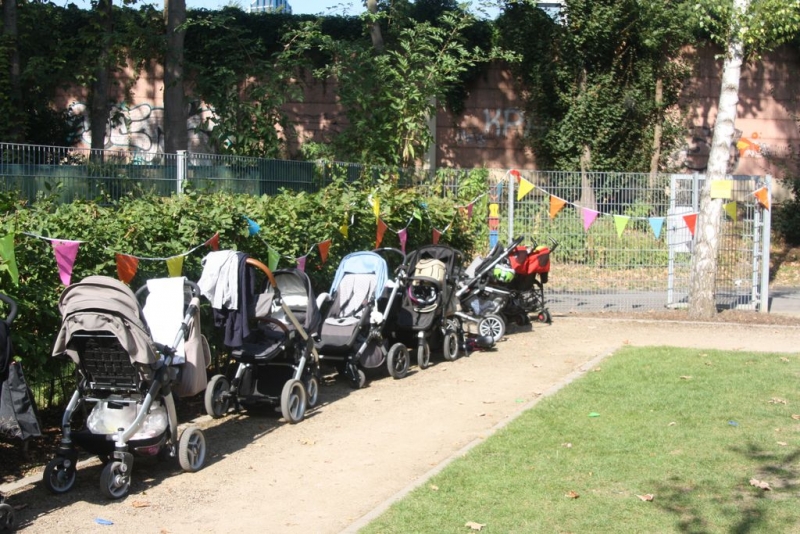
x=134, y=352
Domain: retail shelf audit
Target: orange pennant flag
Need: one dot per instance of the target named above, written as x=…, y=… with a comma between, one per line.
x=126, y=267
x=555, y=205
x=436, y=235
x=323, y=249
x=381, y=230
x=214, y=242
x=763, y=197
x=691, y=221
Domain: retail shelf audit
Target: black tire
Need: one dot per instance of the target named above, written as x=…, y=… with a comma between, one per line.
x=59, y=475
x=216, y=399
x=397, y=361
x=114, y=481
x=293, y=401
x=312, y=391
x=450, y=347
x=544, y=317
x=7, y=518
x=493, y=326
x=192, y=449
x=423, y=355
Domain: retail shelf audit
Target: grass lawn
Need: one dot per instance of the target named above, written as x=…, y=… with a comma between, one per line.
x=690, y=428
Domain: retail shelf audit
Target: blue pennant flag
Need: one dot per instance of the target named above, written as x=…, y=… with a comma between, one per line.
x=656, y=223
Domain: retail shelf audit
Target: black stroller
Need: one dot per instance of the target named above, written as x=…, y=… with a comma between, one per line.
x=274, y=356
x=426, y=318
x=127, y=379
x=352, y=334
x=18, y=418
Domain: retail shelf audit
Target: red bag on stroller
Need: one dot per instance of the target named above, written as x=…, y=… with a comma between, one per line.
x=531, y=262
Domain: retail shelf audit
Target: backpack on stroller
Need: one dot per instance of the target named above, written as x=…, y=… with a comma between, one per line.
x=352, y=333
x=18, y=417
x=273, y=354
x=127, y=378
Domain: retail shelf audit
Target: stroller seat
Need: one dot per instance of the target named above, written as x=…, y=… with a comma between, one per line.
x=346, y=315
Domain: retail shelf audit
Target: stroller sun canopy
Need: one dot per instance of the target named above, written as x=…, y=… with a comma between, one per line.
x=362, y=263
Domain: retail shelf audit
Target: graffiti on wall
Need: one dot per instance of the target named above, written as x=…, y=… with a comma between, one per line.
x=497, y=123
x=139, y=128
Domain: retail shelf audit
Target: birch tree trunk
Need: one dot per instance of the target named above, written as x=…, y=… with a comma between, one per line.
x=175, y=135
x=702, y=292
x=99, y=108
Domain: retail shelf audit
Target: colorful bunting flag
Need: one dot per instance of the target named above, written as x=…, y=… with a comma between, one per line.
x=7, y=253
x=252, y=227
x=525, y=187
x=301, y=263
x=690, y=220
x=126, y=267
x=437, y=234
x=493, y=238
x=656, y=224
x=214, y=241
x=515, y=173
x=66, y=252
x=731, y=209
x=762, y=195
x=344, y=230
x=555, y=205
x=469, y=209
x=588, y=217
x=381, y=230
x=376, y=207
x=273, y=257
x=402, y=235
x=621, y=221
x=323, y=249
x=175, y=266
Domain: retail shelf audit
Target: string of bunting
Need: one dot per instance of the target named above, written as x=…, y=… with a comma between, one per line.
x=274, y=256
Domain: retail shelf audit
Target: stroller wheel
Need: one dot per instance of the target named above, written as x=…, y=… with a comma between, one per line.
x=59, y=475
x=293, y=401
x=493, y=326
x=312, y=390
x=423, y=355
x=217, y=400
x=397, y=360
x=450, y=347
x=114, y=481
x=192, y=449
x=544, y=317
x=7, y=518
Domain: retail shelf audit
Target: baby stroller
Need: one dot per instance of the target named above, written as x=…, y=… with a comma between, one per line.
x=127, y=378
x=426, y=317
x=274, y=356
x=18, y=417
x=351, y=336
x=531, y=267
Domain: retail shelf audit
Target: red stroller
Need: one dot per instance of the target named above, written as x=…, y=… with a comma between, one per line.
x=531, y=270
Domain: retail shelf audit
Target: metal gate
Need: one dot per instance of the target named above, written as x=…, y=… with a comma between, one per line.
x=624, y=238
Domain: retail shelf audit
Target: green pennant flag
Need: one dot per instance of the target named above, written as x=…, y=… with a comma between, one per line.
x=620, y=221
x=7, y=253
x=273, y=257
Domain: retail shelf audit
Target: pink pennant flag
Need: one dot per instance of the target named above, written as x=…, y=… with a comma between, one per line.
x=588, y=217
x=301, y=263
x=469, y=209
x=436, y=235
x=66, y=252
x=402, y=235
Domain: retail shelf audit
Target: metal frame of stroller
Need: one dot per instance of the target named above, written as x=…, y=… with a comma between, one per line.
x=368, y=322
x=120, y=365
x=445, y=330
x=285, y=350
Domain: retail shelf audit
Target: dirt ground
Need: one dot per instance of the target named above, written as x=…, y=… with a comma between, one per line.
x=360, y=449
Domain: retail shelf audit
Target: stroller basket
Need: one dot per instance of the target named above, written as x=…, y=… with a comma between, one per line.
x=533, y=262
x=106, y=365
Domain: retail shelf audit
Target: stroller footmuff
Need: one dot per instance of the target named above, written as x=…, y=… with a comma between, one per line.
x=127, y=378
x=351, y=337
x=273, y=356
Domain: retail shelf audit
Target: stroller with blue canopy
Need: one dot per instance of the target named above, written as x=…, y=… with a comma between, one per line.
x=362, y=296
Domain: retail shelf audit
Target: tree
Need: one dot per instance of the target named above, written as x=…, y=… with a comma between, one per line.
x=175, y=135
x=745, y=28
x=9, y=48
x=99, y=108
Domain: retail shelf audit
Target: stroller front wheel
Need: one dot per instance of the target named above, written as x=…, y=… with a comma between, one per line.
x=492, y=326
x=217, y=397
x=59, y=475
x=397, y=360
x=7, y=518
x=192, y=449
x=293, y=401
x=114, y=481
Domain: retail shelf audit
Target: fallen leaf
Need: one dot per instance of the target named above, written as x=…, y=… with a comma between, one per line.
x=686, y=377
x=784, y=359
x=626, y=341
x=567, y=445
x=673, y=423
x=473, y=525
x=140, y=504
x=796, y=416
x=482, y=414
x=434, y=487
x=488, y=402
x=760, y=484
x=776, y=400
x=572, y=495
x=164, y=531
x=647, y=497
x=306, y=441
x=781, y=443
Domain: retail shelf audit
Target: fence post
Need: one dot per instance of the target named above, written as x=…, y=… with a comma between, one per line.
x=180, y=175
x=766, y=241
x=510, y=207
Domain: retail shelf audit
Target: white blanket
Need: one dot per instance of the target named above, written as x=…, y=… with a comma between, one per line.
x=163, y=311
x=219, y=282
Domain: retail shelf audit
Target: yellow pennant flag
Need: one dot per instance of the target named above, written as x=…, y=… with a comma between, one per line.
x=730, y=209
x=621, y=221
x=175, y=266
x=344, y=230
x=525, y=187
x=376, y=207
x=555, y=205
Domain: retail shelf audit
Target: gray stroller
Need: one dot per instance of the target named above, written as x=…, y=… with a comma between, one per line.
x=127, y=378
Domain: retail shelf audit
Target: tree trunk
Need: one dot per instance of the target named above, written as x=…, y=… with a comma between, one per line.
x=702, y=293
x=11, y=34
x=588, y=199
x=375, y=27
x=175, y=135
x=657, y=132
x=99, y=108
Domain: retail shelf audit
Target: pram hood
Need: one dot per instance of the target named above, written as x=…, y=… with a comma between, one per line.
x=363, y=262
x=104, y=304
x=296, y=291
